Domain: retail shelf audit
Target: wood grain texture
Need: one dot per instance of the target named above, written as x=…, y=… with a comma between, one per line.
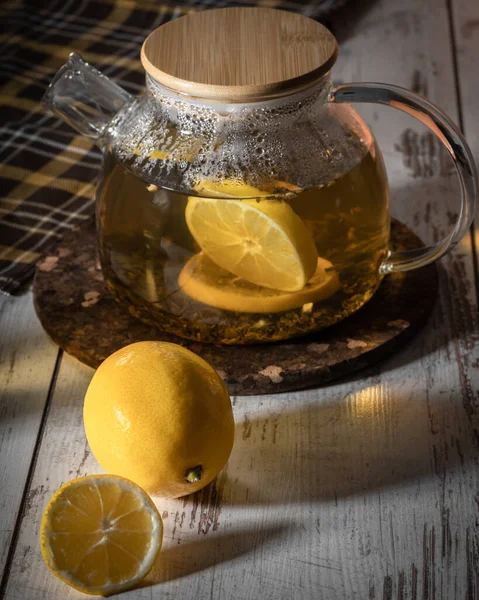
x=365, y=489
x=27, y=360
x=423, y=189
x=239, y=54
x=465, y=29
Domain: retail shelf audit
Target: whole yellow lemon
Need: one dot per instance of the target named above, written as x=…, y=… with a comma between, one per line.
x=160, y=416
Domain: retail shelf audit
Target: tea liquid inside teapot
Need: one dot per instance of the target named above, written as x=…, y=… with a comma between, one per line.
x=157, y=260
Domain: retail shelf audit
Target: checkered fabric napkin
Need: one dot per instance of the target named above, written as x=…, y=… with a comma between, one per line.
x=47, y=171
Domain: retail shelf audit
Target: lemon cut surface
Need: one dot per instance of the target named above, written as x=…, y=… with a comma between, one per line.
x=261, y=240
x=100, y=534
x=204, y=281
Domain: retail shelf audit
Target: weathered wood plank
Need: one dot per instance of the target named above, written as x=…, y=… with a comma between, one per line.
x=27, y=360
x=362, y=489
x=465, y=21
x=446, y=376
x=465, y=25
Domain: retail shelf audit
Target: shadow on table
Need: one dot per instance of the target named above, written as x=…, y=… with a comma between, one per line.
x=351, y=446
x=439, y=331
x=21, y=404
x=185, y=559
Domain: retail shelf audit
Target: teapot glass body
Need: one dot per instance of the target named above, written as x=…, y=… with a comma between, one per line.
x=245, y=222
x=205, y=213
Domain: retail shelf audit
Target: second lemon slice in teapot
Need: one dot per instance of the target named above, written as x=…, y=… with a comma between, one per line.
x=261, y=240
x=204, y=281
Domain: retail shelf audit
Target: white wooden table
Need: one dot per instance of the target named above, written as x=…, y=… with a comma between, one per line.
x=368, y=488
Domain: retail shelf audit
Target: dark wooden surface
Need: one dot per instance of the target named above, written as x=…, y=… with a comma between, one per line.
x=83, y=318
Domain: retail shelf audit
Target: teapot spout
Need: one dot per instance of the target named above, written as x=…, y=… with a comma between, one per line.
x=84, y=98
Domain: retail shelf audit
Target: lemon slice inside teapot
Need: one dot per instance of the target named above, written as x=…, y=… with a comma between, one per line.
x=204, y=281
x=262, y=240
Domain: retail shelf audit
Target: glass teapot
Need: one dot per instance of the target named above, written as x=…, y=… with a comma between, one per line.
x=242, y=199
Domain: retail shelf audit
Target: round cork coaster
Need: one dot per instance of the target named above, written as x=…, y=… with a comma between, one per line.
x=82, y=317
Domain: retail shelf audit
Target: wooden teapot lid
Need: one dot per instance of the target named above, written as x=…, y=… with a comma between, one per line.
x=239, y=54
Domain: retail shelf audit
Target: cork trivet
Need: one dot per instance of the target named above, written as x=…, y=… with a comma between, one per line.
x=82, y=317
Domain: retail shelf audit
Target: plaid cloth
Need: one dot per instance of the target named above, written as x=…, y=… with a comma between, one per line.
x=47, y=172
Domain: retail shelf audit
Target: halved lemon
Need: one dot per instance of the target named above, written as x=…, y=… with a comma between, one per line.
x=261, y=240
x=204, y=281
x=100, y=534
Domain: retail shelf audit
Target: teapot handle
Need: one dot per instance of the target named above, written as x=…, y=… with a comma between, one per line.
x=448, y=133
